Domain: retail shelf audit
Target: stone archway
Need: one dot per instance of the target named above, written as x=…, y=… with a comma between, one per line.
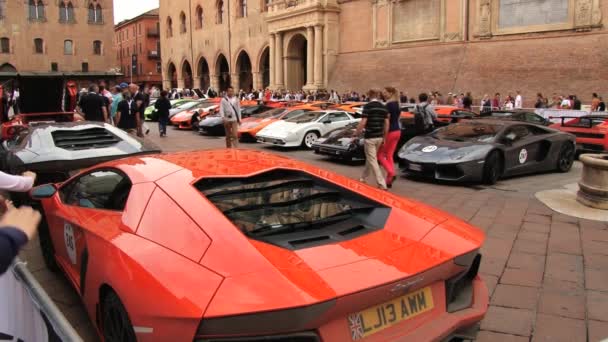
x=187, y=75
x=243, y=66
x=296, y=62
x=222, y=70
x=265, y=68
x=203, y=74
x=7, y=67
x=172, y=75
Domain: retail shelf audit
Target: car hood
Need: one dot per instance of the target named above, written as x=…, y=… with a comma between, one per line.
x=427, y=149
x=342, y=137
x=211, y=120
x=187, y=114
x=282, y=128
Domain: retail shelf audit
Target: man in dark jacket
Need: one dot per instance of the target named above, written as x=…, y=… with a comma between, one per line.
x=375, y=121
x=17, y=227
x=163, y=105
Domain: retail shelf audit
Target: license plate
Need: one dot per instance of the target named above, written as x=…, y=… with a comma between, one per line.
x=380, y=317
x=415, y=167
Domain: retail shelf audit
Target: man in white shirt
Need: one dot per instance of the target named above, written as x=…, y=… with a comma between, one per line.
x=519, y=101
x=230, y=111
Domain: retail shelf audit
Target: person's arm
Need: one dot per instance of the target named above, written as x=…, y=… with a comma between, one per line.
x=222, y=110
x=17, y=227
x=11, y=241
x=17, y=183
x=104, y=109
x=361, y=126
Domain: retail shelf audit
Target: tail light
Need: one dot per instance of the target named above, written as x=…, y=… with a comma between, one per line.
x=459, y=289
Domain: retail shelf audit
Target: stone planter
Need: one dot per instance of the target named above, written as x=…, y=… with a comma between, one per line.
x=593, y=186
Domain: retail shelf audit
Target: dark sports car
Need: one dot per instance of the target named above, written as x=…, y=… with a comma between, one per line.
x=486, y=150
x=212, y=125
x=341, y=143
x=517, y=115
x=54, y=150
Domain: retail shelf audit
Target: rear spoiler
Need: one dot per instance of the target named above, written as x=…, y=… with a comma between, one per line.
x=579, y=125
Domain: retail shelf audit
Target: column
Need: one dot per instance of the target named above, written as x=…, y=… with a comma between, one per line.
x=180, y=83
x=214, y=82
x=235, y=81
x=279, y=62
x=318, y=72
x=271, y=52
x=257, y=80
x=310, y=48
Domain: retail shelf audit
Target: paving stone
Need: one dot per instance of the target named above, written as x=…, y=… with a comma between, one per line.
x=491, y=282
x=481, y=222
x=509, y=235
x=565, y=241
x=513, y=296
x=508, y=321
x=489, y=336
x=563, y=286
x=597, y=331
x=531, y=247
x=597, y=305
x=564, y=267
x=521, y=277
x=533, y=236
x=596, y=261
x=592, y=224
x=595, y=247
x=535, y=218
x=536, y=227
x=596, y=279
x=564, y=227
x=496, y=248
x=493, y=266
x=526, y=261
x=557, y=329
x=593, y=234
x=562, y=304
x=557, y=217
x=536, y=207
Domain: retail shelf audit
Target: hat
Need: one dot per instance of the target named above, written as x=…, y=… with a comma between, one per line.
x=124, y=85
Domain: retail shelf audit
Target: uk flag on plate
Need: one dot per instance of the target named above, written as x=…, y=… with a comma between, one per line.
x=356, y=326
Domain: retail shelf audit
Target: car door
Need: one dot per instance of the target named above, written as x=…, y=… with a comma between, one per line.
x=89, y=207
x=522, y=148
x=335, y=120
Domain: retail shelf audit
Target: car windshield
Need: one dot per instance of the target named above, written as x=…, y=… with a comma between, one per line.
x=306, y=117
x=188, y=105
x=469, y=131
x=278, y=203
x=585, y=122
x=502, y=114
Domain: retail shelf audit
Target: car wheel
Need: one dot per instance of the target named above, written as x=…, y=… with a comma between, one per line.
x=565, y=158
x=117, y=326
x=492, y=168
x=194, y=122
x=309, y=139
x=46, y=245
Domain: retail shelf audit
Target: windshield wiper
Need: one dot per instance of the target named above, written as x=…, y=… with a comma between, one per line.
x=303, y=182
x=274, y=229
x=252, y=207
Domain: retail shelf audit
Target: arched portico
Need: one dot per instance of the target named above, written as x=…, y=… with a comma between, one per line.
x=187, y=75
x=296, y=62
x=244, y=70
x=203, y=74
x=171, y=81
x=222, y=72
x=264, y=69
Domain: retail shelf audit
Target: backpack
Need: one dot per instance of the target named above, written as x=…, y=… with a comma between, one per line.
x=419, y=119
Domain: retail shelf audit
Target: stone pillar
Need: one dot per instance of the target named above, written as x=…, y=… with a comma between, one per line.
x=310, y=48
x=279, y=63
x=235, y=81
x=257, y=80
x=214, y=82
x=180, y=83
x=318, y=53
x=271, y=53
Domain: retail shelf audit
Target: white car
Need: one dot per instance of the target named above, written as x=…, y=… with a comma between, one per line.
x=304, y=129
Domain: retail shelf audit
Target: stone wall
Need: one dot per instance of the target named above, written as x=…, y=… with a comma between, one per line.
x=572, y=64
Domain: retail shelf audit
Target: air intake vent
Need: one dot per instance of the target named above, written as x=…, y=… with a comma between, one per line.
x=84, y=139
x=352, y=230
x=307, y=241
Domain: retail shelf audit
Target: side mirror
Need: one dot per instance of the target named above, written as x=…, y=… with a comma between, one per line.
x=43, y=191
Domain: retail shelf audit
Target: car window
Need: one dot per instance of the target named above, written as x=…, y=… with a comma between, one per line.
x=531, y=117
x=104, y=189
x=470, y=131
x=337, y=117
x=517, y=133
x=295, y=113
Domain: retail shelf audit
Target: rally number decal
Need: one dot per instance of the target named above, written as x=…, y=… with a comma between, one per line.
x=523, y=155
x=70, y=241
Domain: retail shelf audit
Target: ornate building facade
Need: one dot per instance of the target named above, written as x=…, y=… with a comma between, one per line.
x=481, y=46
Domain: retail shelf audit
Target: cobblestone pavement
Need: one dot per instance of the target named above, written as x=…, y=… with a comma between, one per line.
x=546, y=272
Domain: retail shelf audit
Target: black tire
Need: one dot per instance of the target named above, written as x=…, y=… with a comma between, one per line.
x=566, y=156
x=116, y=324
x=194, y=122
x=309, y=139
x=46, y=245
x=492, y=168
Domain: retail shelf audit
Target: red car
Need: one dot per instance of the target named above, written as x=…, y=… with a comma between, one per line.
x=591, y=132
x=22, y=121
x=235, y=245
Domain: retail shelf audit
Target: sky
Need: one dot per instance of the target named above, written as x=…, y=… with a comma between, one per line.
x=127, y=9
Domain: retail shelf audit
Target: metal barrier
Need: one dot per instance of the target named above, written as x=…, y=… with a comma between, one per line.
x=56, y=325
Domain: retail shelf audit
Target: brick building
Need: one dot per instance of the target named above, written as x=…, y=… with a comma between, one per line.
x=481, y=46
x=139, y=39
x=50, y=43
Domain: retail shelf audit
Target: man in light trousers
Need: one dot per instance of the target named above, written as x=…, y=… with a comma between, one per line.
x=375, y=121
x=230, y=111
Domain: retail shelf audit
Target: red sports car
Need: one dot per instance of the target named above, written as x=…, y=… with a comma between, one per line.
x=22, y=121
x=237, y=245
x=591, y=132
